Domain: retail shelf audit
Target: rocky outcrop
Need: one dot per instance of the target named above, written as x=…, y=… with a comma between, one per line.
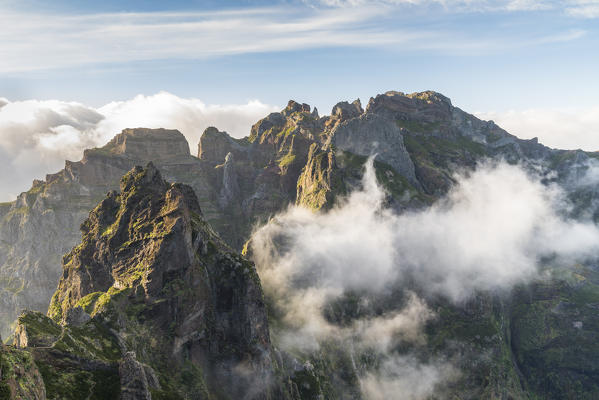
x=159, y=145
x=320, y=180
x=215, y=145
x=151, y=270
x=134, y=382
x=424, y=107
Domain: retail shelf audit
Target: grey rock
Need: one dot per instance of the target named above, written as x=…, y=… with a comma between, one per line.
x=344, y=110
x=214, y=145
x=294, y=106
x=372, y=134
x=77, y=316
x=134, y=382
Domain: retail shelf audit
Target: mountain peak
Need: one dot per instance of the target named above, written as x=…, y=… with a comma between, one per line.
x=148, y=262
x=146, y=144
x=294, y=106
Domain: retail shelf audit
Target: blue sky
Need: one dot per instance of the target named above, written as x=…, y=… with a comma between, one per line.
x=487, y=56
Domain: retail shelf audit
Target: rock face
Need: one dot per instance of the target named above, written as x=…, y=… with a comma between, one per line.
x=155, y=144
x=230, y=187
x=373, y=134
x=320, y=180
x=134, y=382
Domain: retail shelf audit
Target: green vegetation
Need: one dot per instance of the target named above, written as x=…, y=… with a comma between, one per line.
x=19, y=376
x=418, y=126
x=287, y=160
x=71, y=382
x=285, y=132
x=88, y=302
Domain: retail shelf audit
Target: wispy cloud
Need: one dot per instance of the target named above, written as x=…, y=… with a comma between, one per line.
x=61, y=41
x=450, y=5
x=583, y=8
x=574, y=8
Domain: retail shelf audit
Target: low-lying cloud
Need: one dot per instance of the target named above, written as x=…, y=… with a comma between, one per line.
x=406, y=378
x=37, y=136
x=562, y=129
x=488, y=234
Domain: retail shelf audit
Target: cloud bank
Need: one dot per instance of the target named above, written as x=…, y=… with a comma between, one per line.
x=37, y=136
x=562, y=129
x=489, y=233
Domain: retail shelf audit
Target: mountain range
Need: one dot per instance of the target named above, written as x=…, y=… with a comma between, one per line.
x=145, y=271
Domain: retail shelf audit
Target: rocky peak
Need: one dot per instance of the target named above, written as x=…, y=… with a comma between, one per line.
x=215, y=145
x=344, y=110
x=273, y=120
x=159, y=145
x=293, y=106
x=148, y=262
x=426, y=107
x=139, y=178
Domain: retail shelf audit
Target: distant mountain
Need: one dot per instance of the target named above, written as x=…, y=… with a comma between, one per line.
x=151, y=276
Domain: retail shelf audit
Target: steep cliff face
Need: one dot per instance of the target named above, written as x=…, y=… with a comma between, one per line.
x=154, y=297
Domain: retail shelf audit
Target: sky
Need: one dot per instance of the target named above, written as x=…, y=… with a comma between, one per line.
x=528, y=65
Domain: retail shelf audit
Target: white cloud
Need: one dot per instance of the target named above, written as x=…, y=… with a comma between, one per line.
x=450, y=5
x=37, y=136
x=563, y=129
x=573, y=8
x=405, y=378
x=488, y=234
x=583, y=8
x=61, y=41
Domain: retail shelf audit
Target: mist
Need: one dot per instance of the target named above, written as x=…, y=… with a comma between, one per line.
x=489, y=233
